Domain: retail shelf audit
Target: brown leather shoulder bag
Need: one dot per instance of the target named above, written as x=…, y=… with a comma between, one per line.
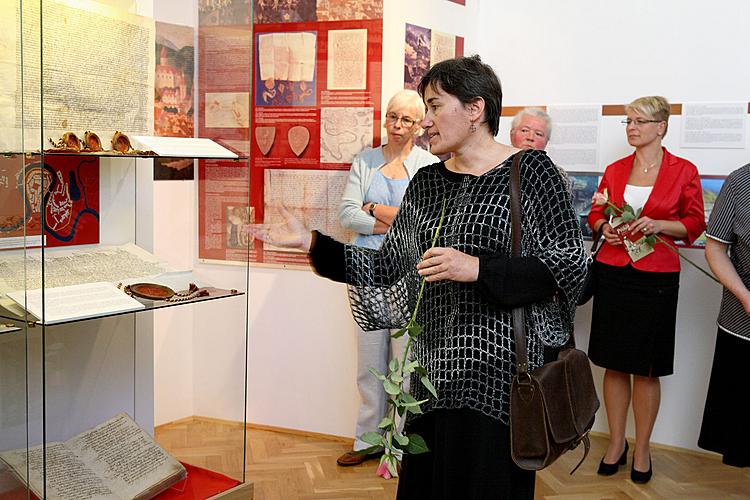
x=552, y=408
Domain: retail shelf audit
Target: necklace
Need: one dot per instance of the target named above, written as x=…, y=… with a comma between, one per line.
x=650, y=165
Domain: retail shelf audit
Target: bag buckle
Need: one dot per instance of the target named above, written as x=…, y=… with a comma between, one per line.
x=525, y=386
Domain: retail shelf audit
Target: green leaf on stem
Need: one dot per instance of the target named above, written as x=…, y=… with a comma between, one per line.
x=396, y=378
x=610, y=211
x=415, y=330
x=415, y=409
x=386, y=423
x=393, y=365
x=408, y=400
x=377, y=374
x=399, y=333
x=428, y=385
x=401, y=439
x=416, y=444
x=410, y=366
x=373, y=438
x=391, y=388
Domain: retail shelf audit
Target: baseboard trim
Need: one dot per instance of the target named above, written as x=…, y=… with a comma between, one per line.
x=348, y=440
x=260, y=427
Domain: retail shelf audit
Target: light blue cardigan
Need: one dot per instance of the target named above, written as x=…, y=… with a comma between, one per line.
x=364, y=167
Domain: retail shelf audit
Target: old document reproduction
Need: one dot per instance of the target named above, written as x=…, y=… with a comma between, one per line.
x=287, y=56
x=347, y=59
x=311, y=195
x=102, y=82
x=66, y=267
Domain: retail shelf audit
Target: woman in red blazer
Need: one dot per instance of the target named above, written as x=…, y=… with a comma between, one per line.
x=635, y=305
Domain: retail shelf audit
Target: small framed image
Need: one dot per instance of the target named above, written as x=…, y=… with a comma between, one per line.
x=711, y=186
x=237, y=219
x=583, y=185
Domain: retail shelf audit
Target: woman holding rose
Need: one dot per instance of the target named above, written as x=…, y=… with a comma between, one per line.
x=635, y=304
x=472, y=283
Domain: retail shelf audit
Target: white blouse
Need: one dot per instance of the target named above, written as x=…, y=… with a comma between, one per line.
x=636, y=196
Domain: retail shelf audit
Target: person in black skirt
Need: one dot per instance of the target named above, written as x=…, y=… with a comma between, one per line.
x=472, y=283
x=725, y=429
x=635, y=303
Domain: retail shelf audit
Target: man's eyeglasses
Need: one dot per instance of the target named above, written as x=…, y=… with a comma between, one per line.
x=406, y=121
x=638, y=121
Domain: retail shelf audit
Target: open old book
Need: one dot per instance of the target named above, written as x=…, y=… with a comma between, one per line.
x=114, y=460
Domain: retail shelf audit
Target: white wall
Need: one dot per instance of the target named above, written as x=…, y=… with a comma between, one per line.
x=591, y=51
x=552, y=52
x=302, y=351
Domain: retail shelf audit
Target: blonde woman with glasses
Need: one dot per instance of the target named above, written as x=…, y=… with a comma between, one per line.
x=377, y=182
x=635, y=304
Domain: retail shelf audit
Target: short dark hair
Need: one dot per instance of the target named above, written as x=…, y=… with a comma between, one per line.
x=468, y=78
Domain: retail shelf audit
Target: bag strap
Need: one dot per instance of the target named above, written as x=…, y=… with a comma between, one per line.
x=519, y=322
x=598, y=243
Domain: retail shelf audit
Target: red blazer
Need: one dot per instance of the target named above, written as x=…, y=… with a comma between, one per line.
x=676, y=195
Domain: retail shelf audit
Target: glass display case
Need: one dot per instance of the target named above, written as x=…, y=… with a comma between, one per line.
x=111, y=383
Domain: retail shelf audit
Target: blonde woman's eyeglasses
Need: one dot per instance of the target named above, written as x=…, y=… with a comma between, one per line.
x=638, y=122
x=406, y=122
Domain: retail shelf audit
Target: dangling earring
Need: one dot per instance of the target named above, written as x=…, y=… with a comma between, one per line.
x=473, y=127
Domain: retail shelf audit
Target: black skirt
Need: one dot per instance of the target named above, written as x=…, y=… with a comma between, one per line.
x=469, y=458
x=633, y=320
x=725, y=428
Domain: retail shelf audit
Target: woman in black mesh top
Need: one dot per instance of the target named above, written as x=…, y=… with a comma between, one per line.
x=473, y=283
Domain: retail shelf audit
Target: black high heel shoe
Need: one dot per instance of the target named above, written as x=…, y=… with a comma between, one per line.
x=606, y=469
x=641, y=477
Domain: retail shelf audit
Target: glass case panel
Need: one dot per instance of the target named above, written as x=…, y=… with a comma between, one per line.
x=106, y=360
x=21, y=187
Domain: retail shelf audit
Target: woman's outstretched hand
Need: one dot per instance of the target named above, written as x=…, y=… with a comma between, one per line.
x=288, y=234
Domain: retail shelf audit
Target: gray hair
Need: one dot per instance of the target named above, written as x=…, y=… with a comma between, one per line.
x=536, y=113
x=408, y=99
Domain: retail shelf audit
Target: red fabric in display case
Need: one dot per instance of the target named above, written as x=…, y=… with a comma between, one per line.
x=199, y=484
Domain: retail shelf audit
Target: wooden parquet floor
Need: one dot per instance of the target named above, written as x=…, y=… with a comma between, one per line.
x=292, y=466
